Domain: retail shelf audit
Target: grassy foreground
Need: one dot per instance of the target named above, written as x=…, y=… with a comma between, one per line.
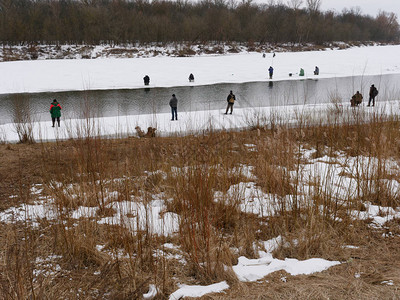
x=198, y=178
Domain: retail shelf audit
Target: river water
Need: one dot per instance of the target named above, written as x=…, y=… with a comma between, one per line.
x=104, y=103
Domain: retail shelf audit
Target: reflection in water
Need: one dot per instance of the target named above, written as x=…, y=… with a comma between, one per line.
x=103, y=103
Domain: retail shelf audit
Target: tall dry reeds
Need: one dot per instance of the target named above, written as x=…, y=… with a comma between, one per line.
x=114, y=251
x=23, y=118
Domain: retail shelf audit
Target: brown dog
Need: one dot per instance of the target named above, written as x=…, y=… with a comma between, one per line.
x=151, y=132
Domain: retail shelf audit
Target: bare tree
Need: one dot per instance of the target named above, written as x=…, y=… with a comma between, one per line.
x=123, y=21
x=295, y=4
x=388, y=26
x=313, y=6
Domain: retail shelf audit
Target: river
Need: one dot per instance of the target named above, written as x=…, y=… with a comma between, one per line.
x=103, y=103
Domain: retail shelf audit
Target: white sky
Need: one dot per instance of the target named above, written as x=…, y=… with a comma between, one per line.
x=370, y=7
x=367, y=7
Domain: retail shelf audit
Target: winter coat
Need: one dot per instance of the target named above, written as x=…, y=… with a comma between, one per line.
x=373, y=92
x=231, y=98
x=358, y=98
x=55, y=110
x=271, y=70
x=173, y=102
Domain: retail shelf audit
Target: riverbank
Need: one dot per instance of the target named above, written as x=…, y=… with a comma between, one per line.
x=198, y=122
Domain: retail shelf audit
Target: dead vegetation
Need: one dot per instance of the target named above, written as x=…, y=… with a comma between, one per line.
x=201, y=181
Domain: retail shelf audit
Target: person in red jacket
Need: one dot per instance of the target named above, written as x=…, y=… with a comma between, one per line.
x=55, y=111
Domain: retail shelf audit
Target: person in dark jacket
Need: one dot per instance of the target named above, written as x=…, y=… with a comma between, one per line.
x=173, y=103
x=231, y=100
x=316, y=71
x=146, y=80
x=271, y=72
x=55, y=112
x=373, y=92
x=191, y=77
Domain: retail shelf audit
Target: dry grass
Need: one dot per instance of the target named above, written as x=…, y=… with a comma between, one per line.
x=360, y=277
x=64, y=257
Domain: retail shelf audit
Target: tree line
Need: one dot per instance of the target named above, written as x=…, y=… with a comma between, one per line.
x=163, y=21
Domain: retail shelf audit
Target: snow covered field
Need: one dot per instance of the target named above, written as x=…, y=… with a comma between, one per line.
x=102, y=73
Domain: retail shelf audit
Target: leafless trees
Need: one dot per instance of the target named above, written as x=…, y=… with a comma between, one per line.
x=122, y=21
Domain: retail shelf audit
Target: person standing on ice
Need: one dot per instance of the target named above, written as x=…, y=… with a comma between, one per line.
x=373, y=92
x=55, y=112
x=271, y=72
x=173, y=103
x=231, y=100
x=146, y=80
x=191, y=77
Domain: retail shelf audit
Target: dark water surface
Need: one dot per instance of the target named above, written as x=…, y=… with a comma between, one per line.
x=105, y=103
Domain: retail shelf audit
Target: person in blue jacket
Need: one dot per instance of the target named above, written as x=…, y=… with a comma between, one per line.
x=271, y=72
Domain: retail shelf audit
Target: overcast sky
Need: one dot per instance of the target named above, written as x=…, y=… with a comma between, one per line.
x=369, y=7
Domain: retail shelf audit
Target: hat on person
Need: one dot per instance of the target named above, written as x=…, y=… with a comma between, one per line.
x=173, y=95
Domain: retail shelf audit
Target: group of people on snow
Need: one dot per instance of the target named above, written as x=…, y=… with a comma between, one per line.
x=357, y=98
x=301, y=73
x=173, y=103
x=146, y=79
x=231, y=98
